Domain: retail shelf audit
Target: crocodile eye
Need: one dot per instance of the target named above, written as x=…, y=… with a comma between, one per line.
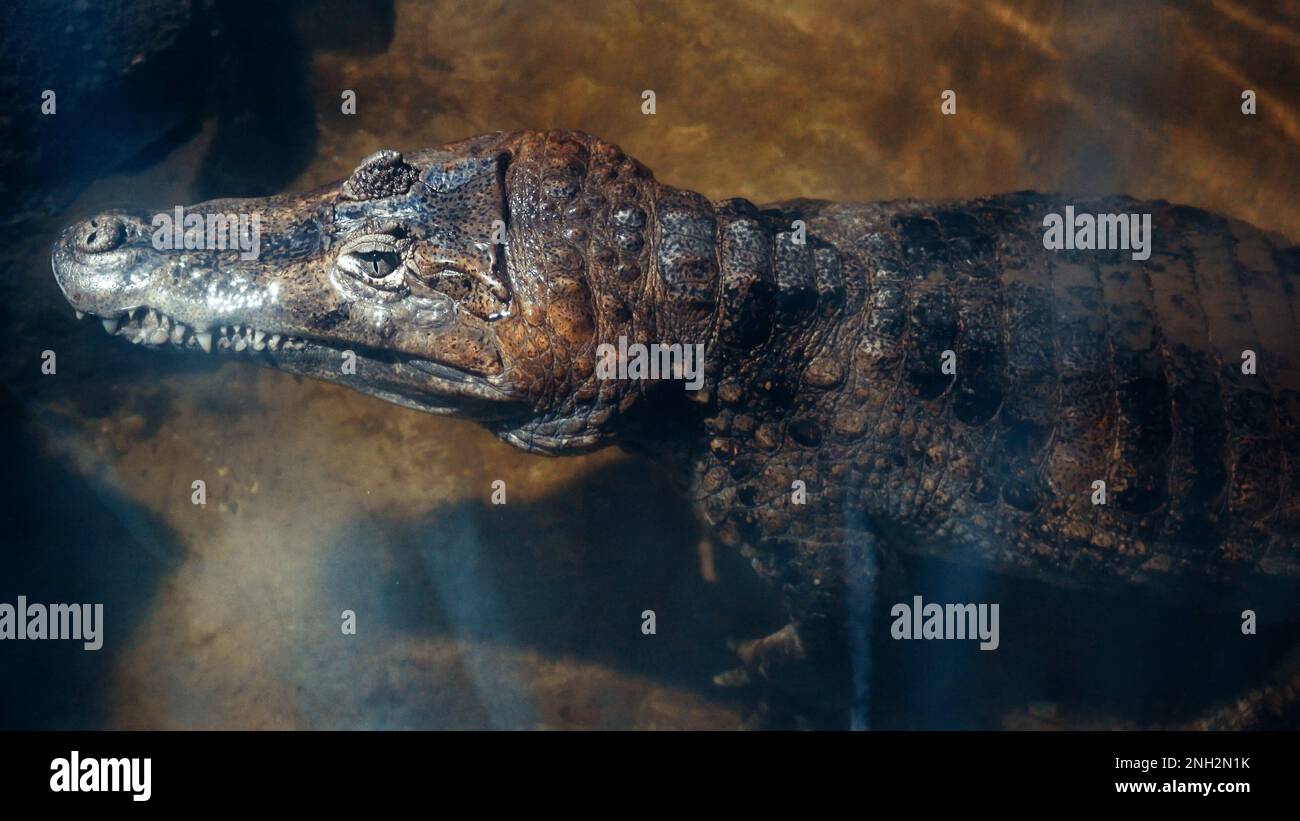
x=378, y=264
x=375, y=260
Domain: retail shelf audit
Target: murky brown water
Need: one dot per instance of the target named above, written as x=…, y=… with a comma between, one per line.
x=320, y=500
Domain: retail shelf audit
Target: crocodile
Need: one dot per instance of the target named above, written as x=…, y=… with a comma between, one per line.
x=922, y=378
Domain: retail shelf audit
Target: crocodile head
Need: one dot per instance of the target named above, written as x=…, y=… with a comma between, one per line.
x=477, y=278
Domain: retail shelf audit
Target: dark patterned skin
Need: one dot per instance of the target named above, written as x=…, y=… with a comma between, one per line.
x=1071, y=367
x=823, y=360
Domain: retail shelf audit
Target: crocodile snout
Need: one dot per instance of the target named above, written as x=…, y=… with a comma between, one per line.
x=99, y=234
x=103, y=263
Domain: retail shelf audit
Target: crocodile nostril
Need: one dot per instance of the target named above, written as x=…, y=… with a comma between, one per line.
x=99, y=234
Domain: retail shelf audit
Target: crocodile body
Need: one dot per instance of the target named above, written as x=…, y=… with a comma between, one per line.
x=826, y=329
x=1070, y=368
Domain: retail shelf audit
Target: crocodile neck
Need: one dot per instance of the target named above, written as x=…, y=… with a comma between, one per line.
x=779, y=294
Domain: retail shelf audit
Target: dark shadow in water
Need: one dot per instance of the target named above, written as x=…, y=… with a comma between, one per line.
x=263, y=96
x=134, y=83
x=1105, y=657
x=123, y=78
x=69, y=539
x=568, y=575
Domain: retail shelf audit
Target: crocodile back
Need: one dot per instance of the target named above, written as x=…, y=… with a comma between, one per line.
x=1064, y=412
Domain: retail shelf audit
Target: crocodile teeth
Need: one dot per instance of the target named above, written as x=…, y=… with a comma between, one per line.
x=81, y=314
x=152, y=327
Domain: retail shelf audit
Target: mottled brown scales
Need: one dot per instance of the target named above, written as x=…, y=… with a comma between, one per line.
x=1072, y=367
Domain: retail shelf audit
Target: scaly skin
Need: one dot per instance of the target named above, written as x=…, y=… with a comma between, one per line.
x=1071, y=367
x=823, y=358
